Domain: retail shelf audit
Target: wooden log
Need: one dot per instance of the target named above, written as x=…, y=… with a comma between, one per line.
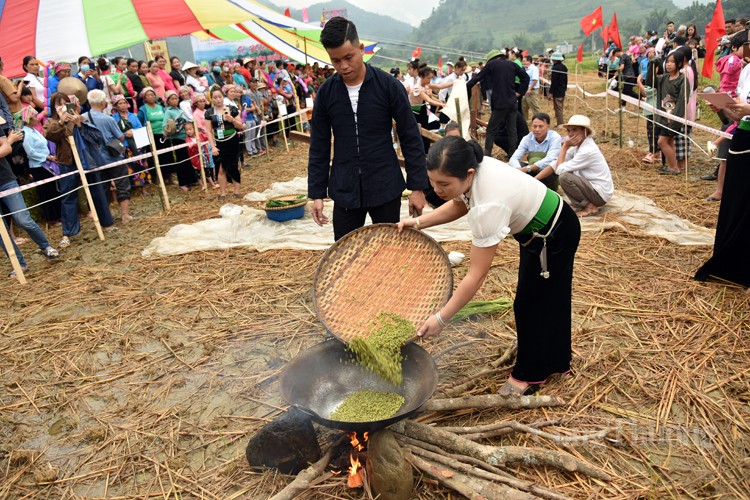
x=304, y=478
x=506, y=424
x=518, y=484
x=497, y=455
x=486, y=401
x=467, y=486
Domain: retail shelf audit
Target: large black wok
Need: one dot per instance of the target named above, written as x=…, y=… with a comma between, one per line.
x=320, y=378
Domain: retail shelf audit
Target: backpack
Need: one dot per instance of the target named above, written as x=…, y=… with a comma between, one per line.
x=90, y=144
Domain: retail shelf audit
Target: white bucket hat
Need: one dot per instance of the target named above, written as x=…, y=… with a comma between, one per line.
x=580, y=121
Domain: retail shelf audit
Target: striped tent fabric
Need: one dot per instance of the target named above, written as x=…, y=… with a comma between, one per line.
x=63, y=30
x=299, y=44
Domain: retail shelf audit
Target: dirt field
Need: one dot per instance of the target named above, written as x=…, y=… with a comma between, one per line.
x=127, y=377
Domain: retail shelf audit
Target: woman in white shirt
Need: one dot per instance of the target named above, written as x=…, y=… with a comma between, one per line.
x=34, y=82
x=502, y=201
x=583, y=171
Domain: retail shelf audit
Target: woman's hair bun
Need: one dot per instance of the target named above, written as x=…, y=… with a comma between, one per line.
x=478, y=150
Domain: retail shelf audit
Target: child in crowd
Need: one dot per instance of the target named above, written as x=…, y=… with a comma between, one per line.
x=671, y=89
x=192, y=139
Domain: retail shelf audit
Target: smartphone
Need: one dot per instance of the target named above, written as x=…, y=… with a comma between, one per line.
x=746, y=50
x=70, y=108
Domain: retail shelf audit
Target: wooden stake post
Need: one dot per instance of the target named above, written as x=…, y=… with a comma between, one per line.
x=458, y=116
x=265, y=139
x=163, y=193
x=283, y=129
x=296, y=105
x=202, y=164
x=86, y=189
x=8, y=242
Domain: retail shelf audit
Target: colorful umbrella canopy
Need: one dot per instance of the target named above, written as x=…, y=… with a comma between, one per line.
x=67, y=29
x=300, y=44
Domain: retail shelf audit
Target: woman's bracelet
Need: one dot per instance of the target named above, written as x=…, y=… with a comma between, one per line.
x=440, y=321
x=416, y=222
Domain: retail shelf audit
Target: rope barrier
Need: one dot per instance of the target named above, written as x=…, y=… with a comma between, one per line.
x=143, y=156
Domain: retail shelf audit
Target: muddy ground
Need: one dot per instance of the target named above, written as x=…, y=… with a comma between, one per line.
x=128, y=377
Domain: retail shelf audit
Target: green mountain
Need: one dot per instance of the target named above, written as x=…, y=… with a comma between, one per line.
x=370, y=26
x=481, y=25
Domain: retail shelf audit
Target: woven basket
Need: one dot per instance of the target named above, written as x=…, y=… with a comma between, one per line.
x=288, y=197
x=377, y=269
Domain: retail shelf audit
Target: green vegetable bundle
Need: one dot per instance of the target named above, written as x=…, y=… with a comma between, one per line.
x=483, y=307
x=274, y=203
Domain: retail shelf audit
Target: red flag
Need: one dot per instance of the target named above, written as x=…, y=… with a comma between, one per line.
x=287, y=13
x=580, y=53
x=305, y=18
x=416, y=52
x=614, y=31
x=592, y=21
x=440, y=63
x=605, y=36
x=714, y=31
x=525, y=53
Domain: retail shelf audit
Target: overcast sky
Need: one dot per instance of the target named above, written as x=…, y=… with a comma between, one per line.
x=409, y=12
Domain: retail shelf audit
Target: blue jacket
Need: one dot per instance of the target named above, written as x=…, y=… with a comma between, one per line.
x=365, y=170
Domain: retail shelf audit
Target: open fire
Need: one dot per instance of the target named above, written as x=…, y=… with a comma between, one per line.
x=356, y=472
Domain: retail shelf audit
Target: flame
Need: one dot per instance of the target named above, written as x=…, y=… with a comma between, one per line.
x=354, y=480
x=355, y=465
x=356, y=443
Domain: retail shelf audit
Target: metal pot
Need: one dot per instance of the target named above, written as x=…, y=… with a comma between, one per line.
x=320, y=378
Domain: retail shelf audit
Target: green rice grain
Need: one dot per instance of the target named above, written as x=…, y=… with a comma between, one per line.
x=367, y=406
x=380, y=351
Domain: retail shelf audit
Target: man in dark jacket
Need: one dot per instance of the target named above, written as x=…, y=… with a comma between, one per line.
x=558, y=86
x=499, y=78
x=357, y=105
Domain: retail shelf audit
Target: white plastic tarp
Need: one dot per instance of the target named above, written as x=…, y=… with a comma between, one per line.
x=247, y=227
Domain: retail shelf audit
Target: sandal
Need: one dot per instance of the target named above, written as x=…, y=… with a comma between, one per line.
x=712, y=198
x=238, y=195
x=51, y=253
x=509, y=389
x=668, y=171
x=12, y=274
x=64, y=242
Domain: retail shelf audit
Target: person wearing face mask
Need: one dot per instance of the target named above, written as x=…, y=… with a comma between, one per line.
x=225, y=77
x=212, y=76
x=87, y=74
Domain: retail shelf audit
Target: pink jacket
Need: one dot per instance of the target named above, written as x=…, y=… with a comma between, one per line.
x=729, y=67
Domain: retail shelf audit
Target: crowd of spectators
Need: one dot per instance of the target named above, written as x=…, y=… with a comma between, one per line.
x=232, y=106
